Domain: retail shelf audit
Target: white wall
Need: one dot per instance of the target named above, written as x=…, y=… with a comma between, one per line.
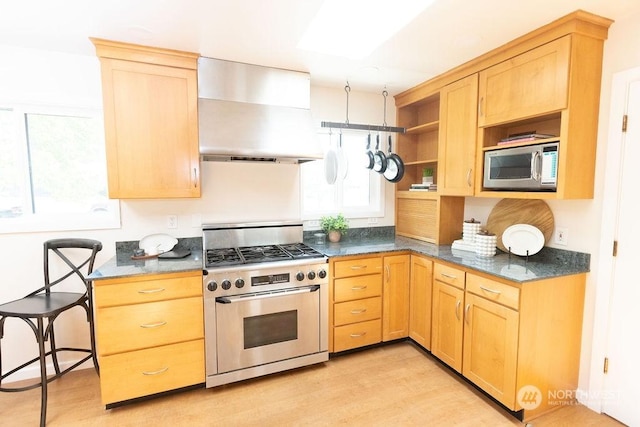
x=231, y=192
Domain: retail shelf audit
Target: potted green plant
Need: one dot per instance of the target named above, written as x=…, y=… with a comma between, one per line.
x=427, y=176
x=334, y=226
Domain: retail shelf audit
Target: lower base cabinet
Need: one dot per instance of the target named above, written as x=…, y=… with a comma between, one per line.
x=420, y=296
x=149, y=334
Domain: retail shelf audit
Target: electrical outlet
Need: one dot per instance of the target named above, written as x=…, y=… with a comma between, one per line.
x=561, y=236
x=373, y=220
x=172, y=221
x=314, y=223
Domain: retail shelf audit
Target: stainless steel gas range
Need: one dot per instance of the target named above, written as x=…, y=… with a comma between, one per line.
x=266, y=300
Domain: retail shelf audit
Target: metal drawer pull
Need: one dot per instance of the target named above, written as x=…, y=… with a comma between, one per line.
x=360, y=311
x=159, y=371
x=151, y=291
x=153, y=325
x=358, y=267
x=457, y=308
x=361, y=334
x=358, y=288
x=490, y=290
x=448, y=276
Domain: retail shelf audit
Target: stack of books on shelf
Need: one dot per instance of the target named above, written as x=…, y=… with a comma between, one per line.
x=423, y=187
x=524, y=137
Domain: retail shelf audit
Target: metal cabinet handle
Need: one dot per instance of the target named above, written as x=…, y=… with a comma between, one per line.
x=388, y=270
x=480, y=112
x=195, y=177
x=358, y=288
x=151, y=291
x=153, y=325
x=466, y=313
x=361, y=334
x=469, y=177
x=159, y=371
x=359, y=311
x=457, y=308
x=490, y=290
x=358, y=267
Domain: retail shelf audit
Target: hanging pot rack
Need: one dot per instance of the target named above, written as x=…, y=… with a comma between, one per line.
x=365, y=127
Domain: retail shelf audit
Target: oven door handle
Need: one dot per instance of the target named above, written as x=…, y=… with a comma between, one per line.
x=264, y=295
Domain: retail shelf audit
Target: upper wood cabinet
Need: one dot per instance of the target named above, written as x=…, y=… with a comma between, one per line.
x=457, y=144
x=150, y=99
x=528, y=85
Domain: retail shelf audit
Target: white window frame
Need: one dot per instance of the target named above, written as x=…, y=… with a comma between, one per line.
x=60, y=222
x=376, y=207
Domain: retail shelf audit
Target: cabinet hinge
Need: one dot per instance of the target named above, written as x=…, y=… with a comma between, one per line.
x=606, y=365
x=615, y=248
x=624, y=123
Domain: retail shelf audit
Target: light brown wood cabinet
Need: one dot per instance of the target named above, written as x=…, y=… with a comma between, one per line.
x=420, y=296
x=149, y=333
x=447, y=314
x=503, y=335
x=457, y=143
x=395, y=296
x=546, y=81
x=150, y=99
x=355, y=308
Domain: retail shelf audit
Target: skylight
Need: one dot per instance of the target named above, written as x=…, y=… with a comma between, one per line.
x=355, y=28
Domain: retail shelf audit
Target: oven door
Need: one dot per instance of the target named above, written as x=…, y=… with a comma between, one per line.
x=267, y=327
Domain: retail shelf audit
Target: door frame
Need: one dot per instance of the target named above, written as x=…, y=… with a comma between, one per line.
x=604, y=285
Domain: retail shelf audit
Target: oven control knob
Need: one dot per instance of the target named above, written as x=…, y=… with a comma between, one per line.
x=212, y=285
x=311, y=275
x=300, y=276
x=239, y=283
x=226, y=284
x=322, y=274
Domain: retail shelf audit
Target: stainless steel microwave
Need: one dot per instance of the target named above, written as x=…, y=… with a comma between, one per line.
x=530, y=168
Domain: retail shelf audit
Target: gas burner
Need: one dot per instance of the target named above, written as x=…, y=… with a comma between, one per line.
x=265, y=253
x=300, y=250
x=228, y=256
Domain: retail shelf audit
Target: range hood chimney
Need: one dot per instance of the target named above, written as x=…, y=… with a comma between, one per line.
x=253, y=113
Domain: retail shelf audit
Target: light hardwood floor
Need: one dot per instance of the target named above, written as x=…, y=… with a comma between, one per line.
x=395, y=385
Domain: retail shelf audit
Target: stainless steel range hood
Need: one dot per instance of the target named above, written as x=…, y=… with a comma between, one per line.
x=253, y=113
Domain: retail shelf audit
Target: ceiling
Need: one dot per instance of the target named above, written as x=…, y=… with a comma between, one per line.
x=446, y=34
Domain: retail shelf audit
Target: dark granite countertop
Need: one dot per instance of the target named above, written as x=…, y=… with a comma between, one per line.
x=548, y=263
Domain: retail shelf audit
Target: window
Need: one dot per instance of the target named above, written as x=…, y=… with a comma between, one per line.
x=357, y=191
x=53, y=170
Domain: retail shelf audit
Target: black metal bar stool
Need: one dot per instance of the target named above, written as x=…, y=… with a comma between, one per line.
x=44, y=303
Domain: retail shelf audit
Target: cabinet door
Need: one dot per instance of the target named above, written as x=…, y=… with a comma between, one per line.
x=395, y=297
x=151, y=130
x=458, y=130
x=446, y=332
x=421, y=289
x=530, y=84
x=491, y=348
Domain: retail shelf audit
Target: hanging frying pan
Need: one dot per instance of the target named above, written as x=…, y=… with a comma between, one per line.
x=395, y=166
x=331, y=163
x=368, y=155
x=379, y=159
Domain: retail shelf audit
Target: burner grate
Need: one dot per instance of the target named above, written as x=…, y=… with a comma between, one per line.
x=229, y=256
x=265, y=253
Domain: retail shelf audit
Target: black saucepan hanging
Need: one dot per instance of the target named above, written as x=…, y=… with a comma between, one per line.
x=395, y=166
x=379, y=158
x=368, y=155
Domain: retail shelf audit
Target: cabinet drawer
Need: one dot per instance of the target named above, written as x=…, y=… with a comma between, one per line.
x=140, y=373
x=494, y=291
x=357, y=287
x=357, y=267
x=357, y=311
x=136, y=292
x=133, y=327
x=357, y=335
x=449, y=275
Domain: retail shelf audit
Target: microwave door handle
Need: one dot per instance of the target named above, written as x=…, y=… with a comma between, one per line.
x=536, y=166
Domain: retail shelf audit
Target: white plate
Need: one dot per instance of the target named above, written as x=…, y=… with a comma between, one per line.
x=157, y=243
x=520, y=238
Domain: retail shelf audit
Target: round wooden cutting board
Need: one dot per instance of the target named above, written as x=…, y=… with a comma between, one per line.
x=508, y=212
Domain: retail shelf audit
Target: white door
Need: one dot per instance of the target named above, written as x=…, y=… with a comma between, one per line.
x=621, y=392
